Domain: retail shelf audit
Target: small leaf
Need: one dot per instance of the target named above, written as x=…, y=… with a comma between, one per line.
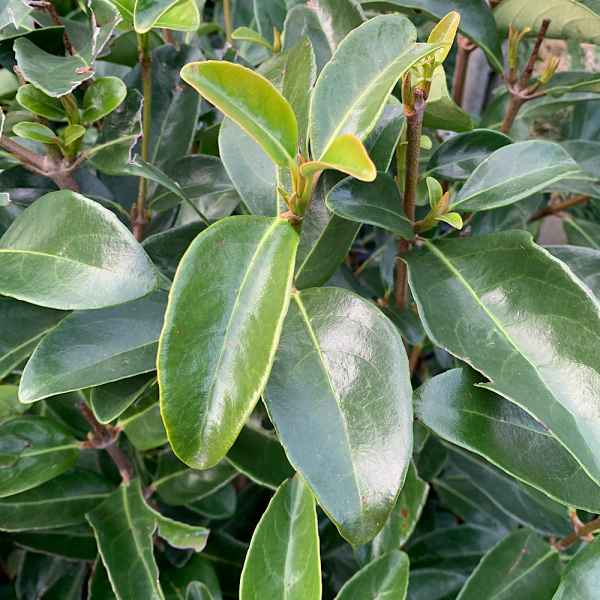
x=87, y=249
x=378, y=203
x=444, y=33
x=71, y=134
x=110, y=400
x=252, y=102
x=35, y=101
x=346, y=154
x=453, y=219
x=245, y=34
x=382, y=141
x=181, y=535
x=208, y=379
x=435, y=191
x=142, y=423
x=36, y=132
x=283, y=558
x=102, y=97
x=181, y=15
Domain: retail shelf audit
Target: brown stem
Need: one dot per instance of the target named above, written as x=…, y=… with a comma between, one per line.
x=514, y=106
x=579, y=533
x=414, y=128
x=552, y=209
x=528, y=71
x=414, y=356
x=51, y=10
x=105, y=437
x=401, y=281
x=465, y=47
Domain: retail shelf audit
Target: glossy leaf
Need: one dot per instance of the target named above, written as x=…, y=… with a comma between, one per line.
x=283, y=558
x=145, y=14
x=378, y=203
x=252, y=102
x=381, y=142
x=87, y=249
x=580, y=578
x=456, y=409
x=337, y=348
x=59, y=502
x=444, y=33
x=9, y=402
x=352, y=89
x=102, y=97
x=196, y=570
x=386, y=576
x=35, y=132
x=521, y=567
x=181, y=535
x=512, y=173
x=142, y=423
x=123, y=526
x=73, y=543
x=521, y=279
x=209, y=379
x=91, y=348
x=180, y=15
x=33, y=450
x=583, y=262
x=70, y=134
x=434, y=584
x=245, y=34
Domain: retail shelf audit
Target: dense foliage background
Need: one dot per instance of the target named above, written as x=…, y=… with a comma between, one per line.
x=301, y=212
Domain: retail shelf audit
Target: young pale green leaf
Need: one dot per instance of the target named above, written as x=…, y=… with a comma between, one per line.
x=352, y=89
x=453, y=219
x=378, y=203
x=102, y=97
x=110, y=400
x=404, y=516
x=580, y=578
x=33, y=450
x=54, y=75
x=22, y=327
x=346, y=154
x=514, y=172
x=123, y=526
x=90, y=348
x=87, y=249
x=258, y=454
x=456, y=409
x=521, y=567
x=245, y=34
x=283, y=558
x=521, y=302
x=9, y=402
x=71, y=133
x=36, y=132
x=213, y=364
x=60, y=502
x=35, y=101
x=180, y=15
x=387, y=576
x=147, y=12
x=444, y=33
x=340, y=382
x=181, y=535
x=457, y=157
x=252, y=102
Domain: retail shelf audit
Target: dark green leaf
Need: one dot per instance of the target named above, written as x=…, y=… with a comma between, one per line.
x=142, y=423
x=582, y=233
x=102, y=97
x=580, y=578
x=73, y=543
x=584, y=262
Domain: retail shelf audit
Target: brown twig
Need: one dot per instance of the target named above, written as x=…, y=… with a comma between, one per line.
x=465, y=47
x=519, y=91
x=51, y=10
x=105, y=437
x=579, y=533
x=552, y=209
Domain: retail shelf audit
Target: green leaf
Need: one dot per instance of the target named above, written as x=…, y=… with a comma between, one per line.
x=33, y=450
x=352, y=89
x=218, y=505
x=338, y=18
x=54, y=75
x=22, y=327
x=35, y=101
x=87, y=249
x=245, y=34
x=453, y=219
x=181, y=535
x=444, y=33
x=110, y=400
x=283, y=558
x=102, y=97
x=123, y=526
x=583, y=262
x=457, y=157
x=259, y=455
x=180, y=15
x=434, y=584
x=382, y=141
x=580, y=578
x=35, y=132
x=346, y=154
x=575, y=20
x=9, y=402
x=90, y=348
x=252, y=102
x=208, y=379
x=59, y=502
x=404, y=516
x=250, y=169
x=147, y=12
x=585, y=154
x=514, y=172
x=340, y=382
x=456, y=409
x=178, y=485
x=582, y=233
x=386, y=576
x=72, y=543
x=378, y=203
x=521, y=567
x=196, y=570
x=521, y=301
x=142, y=423
x=476, y=20
x=71, y=134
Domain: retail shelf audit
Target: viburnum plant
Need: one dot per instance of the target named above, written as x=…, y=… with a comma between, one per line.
x=236, y=236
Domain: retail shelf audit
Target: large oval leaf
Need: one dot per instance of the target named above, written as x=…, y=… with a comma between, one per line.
x=521, y=312
x=283, y=558
x=340, y=382
x=514, y=172
x=580, y=578
x=90, y=348
x=86, y=250
x=352, y=89
x=33, y=450
x=456, y=409
x=214, y=362
x=252, y=102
